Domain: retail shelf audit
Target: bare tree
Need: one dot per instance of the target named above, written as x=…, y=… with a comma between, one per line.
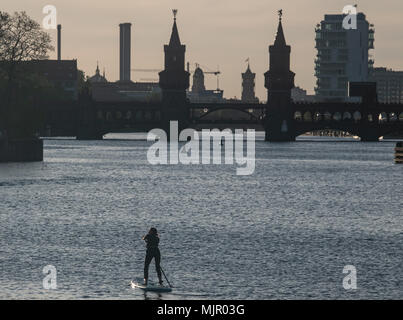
x=21, y=39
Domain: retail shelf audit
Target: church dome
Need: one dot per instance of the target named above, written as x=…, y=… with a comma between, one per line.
x=98, y=78
x=198, y=81
x=199, y=72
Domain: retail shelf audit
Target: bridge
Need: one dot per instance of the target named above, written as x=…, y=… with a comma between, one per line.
x=280, y=117
x=367, y=122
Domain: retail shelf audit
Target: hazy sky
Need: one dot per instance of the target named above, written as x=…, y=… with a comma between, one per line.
x=216, y=32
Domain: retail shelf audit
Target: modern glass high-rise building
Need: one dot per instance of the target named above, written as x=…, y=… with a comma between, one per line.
x=342, y=56
x=389, y=84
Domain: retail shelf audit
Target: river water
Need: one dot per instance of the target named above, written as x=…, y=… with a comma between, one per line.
x=286, y=232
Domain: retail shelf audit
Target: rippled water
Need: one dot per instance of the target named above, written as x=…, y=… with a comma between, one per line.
x=285, y=232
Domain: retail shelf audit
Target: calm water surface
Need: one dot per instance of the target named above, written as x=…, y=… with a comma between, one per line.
x=285, y=232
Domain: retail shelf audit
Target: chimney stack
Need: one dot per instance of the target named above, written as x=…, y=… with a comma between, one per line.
x=125, y=51
x=59, y=42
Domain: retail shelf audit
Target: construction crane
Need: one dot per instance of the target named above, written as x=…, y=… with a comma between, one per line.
x=216, y=73
x=149, y=80
x=145, y=70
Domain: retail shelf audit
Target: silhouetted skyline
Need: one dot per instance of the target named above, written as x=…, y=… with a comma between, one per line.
x=223, y=33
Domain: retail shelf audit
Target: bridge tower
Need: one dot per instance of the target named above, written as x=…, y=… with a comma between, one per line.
x=279, y=81
x=174, y=80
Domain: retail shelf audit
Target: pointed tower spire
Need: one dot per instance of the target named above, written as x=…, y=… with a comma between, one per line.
x=174, y=61
x=97, y=71
x=175, y=40
x=248, y=61
x=248, y=67
x=280, y=39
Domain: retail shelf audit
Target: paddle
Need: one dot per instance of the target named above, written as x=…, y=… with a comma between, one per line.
x=166, y=277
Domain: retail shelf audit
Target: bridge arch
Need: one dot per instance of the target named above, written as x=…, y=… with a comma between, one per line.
x=357, y=116
x=108, y=116
x=327, y=116
x=337, y=116
x=347, y=115
x=317, y=116
x=392, y=117
x=382, y=117
x=307, y=116
x=248, y=112
x=128, y=115
x=298, y=116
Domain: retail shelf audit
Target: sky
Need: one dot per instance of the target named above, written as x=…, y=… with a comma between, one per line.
x=216, y=33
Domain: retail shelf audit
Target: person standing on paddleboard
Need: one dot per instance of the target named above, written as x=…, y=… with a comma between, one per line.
x=152, y=240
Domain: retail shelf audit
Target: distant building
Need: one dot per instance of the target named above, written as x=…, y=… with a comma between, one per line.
x=300, y=95
x=248, y=86
x=60, y=73
x=199, y=94
x=389, y=84
x=126, y=91
x=198, y=81
x=98, y=78
x=342, y=56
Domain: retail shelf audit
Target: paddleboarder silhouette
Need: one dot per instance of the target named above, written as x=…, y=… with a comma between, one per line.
x=152, y=240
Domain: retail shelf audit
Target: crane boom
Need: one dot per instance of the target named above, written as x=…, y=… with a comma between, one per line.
x=146, y=70
x=216, y=73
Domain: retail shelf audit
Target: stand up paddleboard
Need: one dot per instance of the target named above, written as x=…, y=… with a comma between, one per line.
x=150, y=287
